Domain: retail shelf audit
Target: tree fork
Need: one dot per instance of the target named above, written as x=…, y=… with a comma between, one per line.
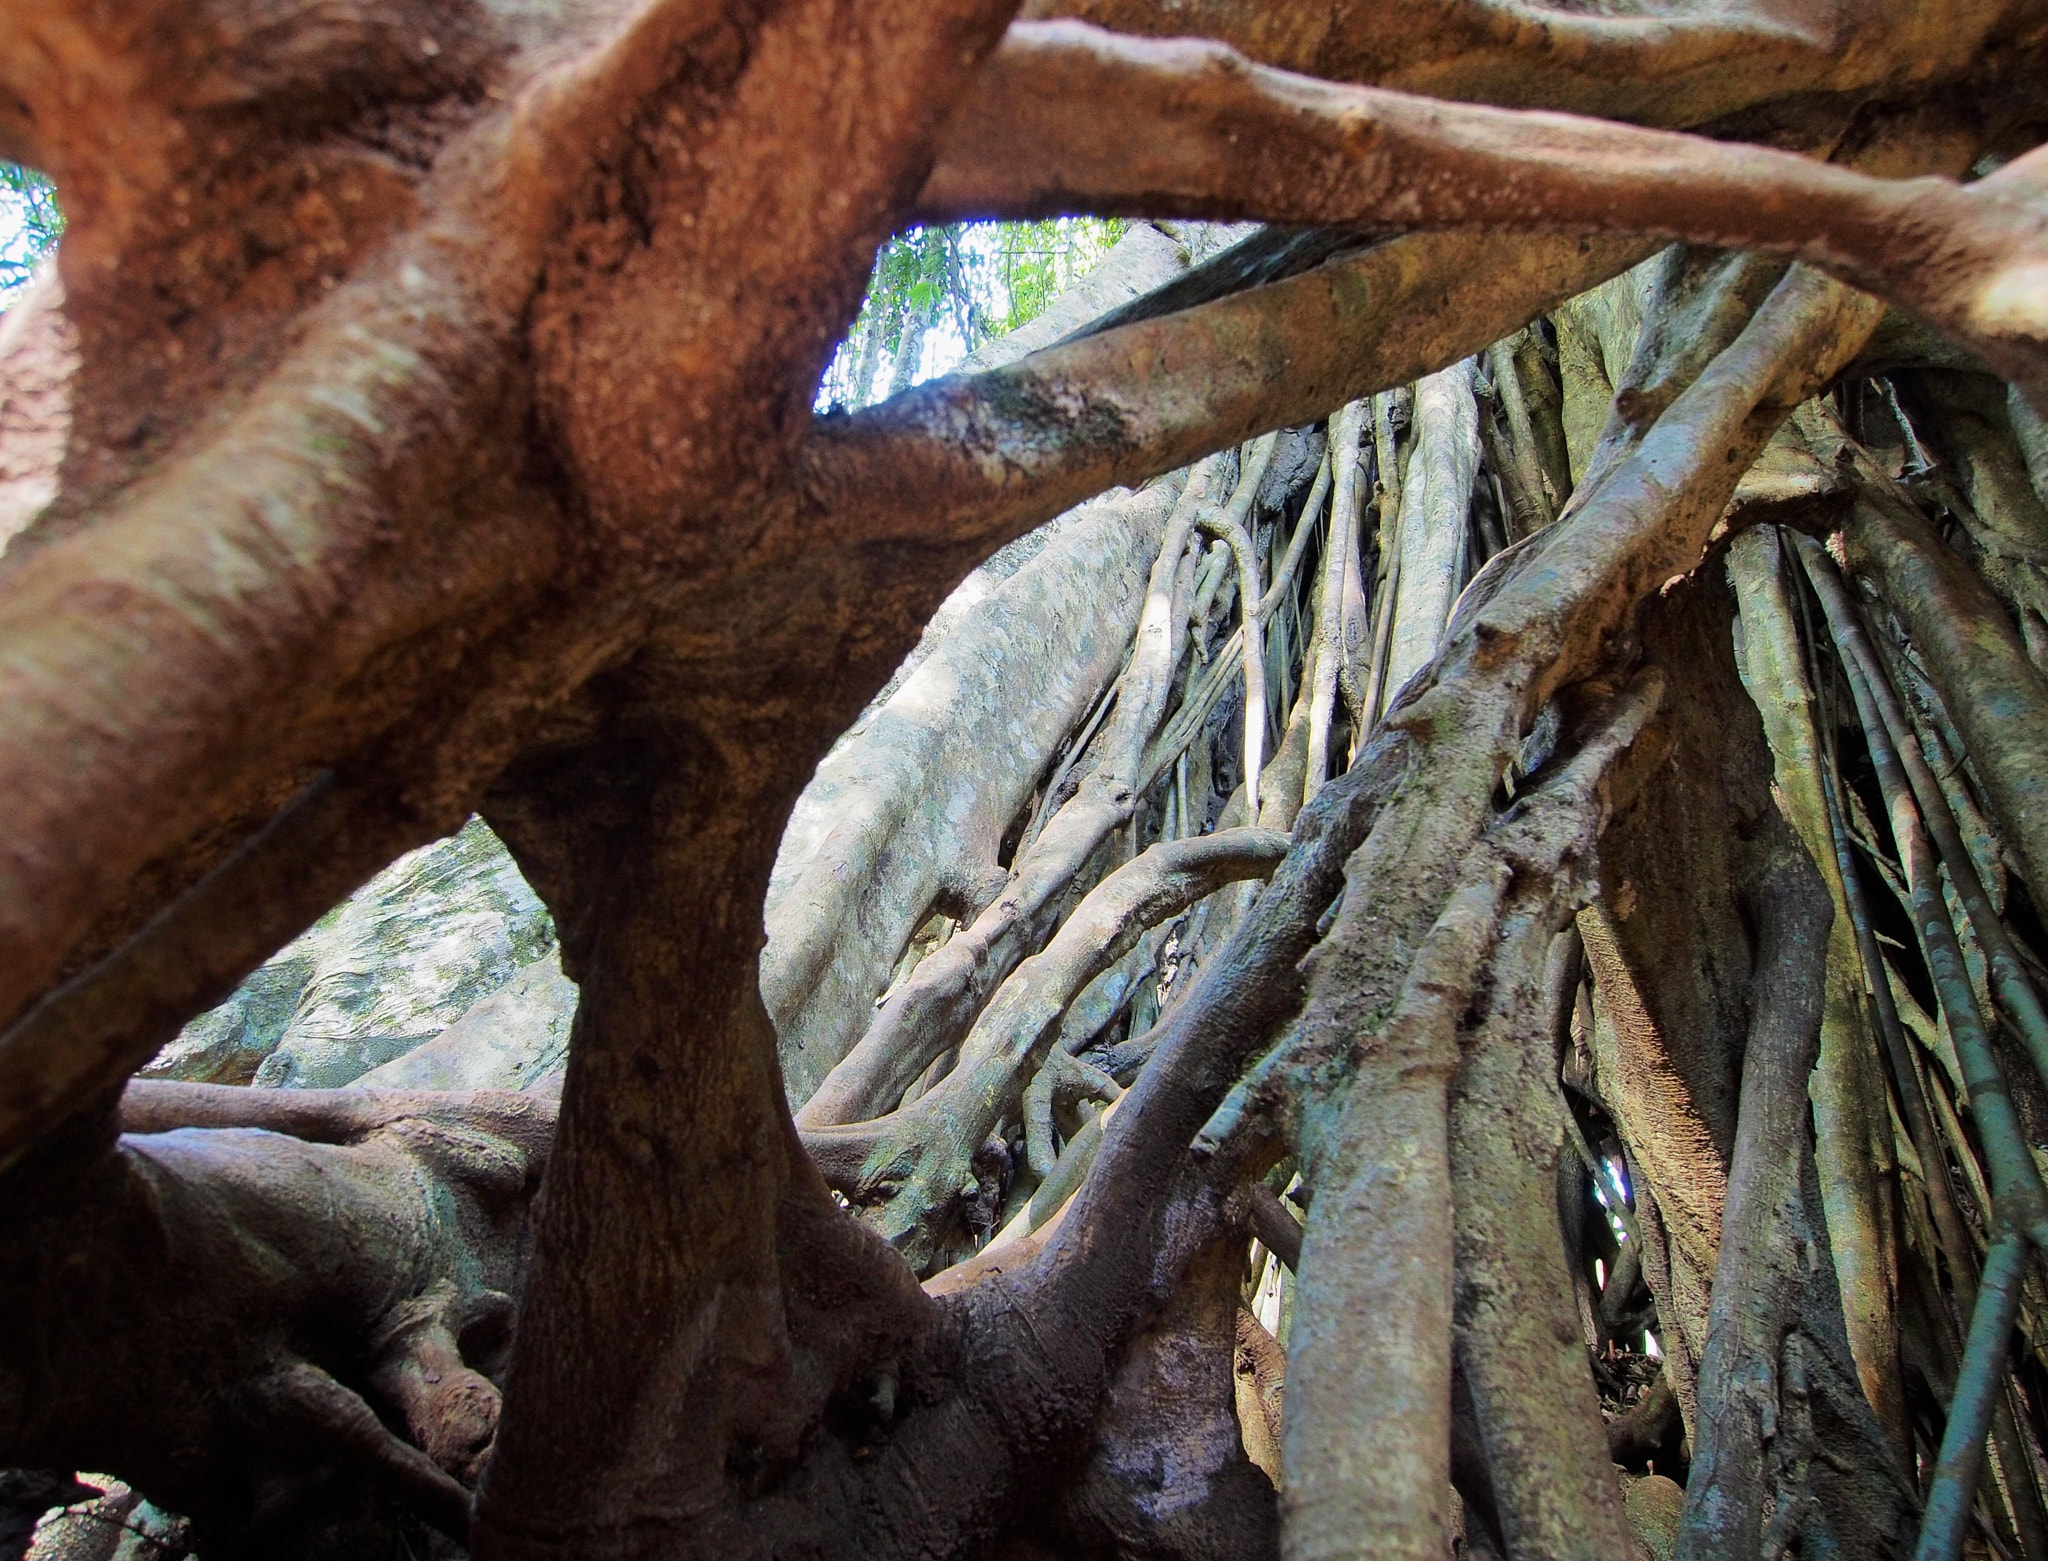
x=511, y=494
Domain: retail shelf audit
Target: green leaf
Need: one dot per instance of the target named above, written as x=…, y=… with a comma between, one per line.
x=31, y=222
x=977, y=280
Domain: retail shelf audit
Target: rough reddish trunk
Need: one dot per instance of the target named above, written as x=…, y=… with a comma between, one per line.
x=440, y=439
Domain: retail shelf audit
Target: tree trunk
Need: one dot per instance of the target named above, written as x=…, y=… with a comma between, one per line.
x=1371, y=962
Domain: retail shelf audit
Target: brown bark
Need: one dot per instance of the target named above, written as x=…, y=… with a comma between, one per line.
x=1653, y=64
x=441, y=437
x=1289, y=149
x=193, y=1301
x=1789, y=1419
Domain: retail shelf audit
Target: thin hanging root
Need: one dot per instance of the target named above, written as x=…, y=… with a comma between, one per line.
x=2017, y=1191
x=1976, y=660
x=2016, y=1501
x=1297, y=544
x=913, y=1161
x=1389, y=593
x=1229, y=525
x=937, y=1006
x=1340, y=569
x=1186, y=723
x=1207, y=582
x=1953, y=1238
x=1955, y=1241
x=1533, y=500
x=2018, y=1206
x=1938, y=740
x=2009, y=977
x=1979, y=1385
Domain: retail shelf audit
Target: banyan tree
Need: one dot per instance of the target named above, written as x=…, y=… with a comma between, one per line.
x=1377, y=890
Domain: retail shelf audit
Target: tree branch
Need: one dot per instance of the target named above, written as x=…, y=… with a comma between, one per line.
x=916, y=1157
x=980, y=459
x=1657, y=63
x=329, y=1116
x=1068, y=118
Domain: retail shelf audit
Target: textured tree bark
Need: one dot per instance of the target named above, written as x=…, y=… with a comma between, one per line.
x=1777, y=1365
x=653, y=839
x=1975, y=655
x=1753, y=1297
x=871, y=847
x=442, y=436
x=225, y=1286
x=1519, y=1345
x=1852, y=1127
x=1654, y=66
x=1168, y=1472
x=1670, y=978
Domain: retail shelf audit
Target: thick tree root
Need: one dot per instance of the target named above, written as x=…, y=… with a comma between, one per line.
x=915, y=1163
x=211, y=1305
x=441, y=438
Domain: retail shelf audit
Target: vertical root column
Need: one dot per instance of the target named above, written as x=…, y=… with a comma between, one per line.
x=1520, y=1346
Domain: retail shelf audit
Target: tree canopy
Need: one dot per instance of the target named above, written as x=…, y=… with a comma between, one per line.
x=32, y=221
